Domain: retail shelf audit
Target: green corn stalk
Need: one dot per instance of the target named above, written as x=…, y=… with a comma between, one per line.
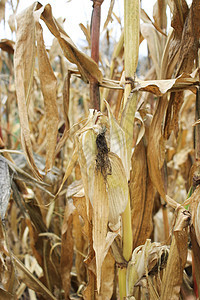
x=131, y=49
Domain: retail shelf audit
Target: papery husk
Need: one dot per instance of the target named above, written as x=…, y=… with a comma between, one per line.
x=145, y=259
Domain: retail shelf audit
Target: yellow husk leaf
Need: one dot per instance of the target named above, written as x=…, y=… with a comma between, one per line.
x=117, y=187
x=100, y=221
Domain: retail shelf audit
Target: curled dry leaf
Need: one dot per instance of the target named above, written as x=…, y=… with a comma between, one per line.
x=31, y=281
x=24, y=58
x=85, y=64
x=160, y=87
x=148, y=258
x=154, y=40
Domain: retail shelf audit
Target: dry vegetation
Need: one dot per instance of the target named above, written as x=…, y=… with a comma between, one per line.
x=101, y=203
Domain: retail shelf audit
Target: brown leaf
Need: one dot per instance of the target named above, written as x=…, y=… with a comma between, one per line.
x=2, y=10
x=85, y=64
x=142, y=196
x=66, y=97
x=86, y=32
x=160, y=87
x=24, y=58
x=67, y=251
x=159, y=13
x=172, y=115
x=173, y=276
x=48, y=86
x=80, y=204
x=31, y=281
x=189, y=40
x=179, y=11
x=155, y=148
x=7, y=45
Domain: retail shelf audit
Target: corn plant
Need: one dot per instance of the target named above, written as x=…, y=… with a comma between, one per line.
x=100, y=156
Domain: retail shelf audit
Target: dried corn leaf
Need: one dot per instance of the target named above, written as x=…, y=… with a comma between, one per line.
x=66, y=97
x=24, y=58
x=179, y=10
x=86, y=32
x=67, y=250
x=31, y=281
x=48, y=86
x=159, y=13
x=154, y=40
x=173, y=276
x=87, y=67
x=148, y=258
x=2, y=10
x=109, y=16
x=172, y=114
x=7, y=45
x=69, y=169
x=160, y=87
x=5, y=295
x=145, y=18
x=189, y=40
x=80, y=204
x=108, y=275
x=155, y=148
x=142, y=196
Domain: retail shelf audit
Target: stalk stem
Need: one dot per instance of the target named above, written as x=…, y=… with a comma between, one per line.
x=95, y=32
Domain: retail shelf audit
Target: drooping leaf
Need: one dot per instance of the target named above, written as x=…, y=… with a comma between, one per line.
x=48, y=87
x=32, y=281
x=85, y=64
x=142, y=196
x=24, y=58
x=160, y=87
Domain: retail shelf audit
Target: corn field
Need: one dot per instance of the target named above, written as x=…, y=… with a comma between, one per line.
x=100, y=155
